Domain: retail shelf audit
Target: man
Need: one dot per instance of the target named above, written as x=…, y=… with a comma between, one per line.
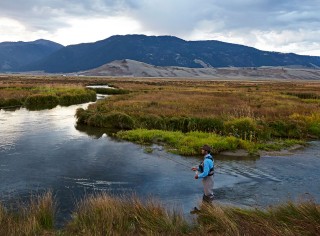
x=206, y=169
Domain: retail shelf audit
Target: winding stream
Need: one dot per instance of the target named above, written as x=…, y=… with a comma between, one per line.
x=41, y=150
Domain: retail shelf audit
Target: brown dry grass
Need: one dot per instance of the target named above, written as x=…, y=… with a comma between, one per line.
x=215, y=98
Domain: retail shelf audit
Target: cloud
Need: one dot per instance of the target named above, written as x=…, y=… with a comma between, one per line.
x=278, y=24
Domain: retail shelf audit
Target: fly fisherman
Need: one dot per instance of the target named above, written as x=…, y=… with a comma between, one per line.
x=206, y=169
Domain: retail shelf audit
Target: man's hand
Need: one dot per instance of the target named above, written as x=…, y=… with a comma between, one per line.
x=196, y=176
x=194, y=168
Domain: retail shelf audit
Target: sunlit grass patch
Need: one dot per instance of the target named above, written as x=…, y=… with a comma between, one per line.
x=181, y=143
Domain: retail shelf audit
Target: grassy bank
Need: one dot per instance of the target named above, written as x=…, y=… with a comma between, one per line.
x=254, y=113
x=44, y=97
x=188, y=144
x=106, y=215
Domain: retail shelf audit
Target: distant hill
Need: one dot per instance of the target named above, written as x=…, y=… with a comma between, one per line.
x=130, y=68
x=17, y=54
x=164, y=51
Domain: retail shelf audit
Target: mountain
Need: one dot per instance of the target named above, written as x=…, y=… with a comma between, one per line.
x=17, y=54
x=165, y=51
x=130, y=68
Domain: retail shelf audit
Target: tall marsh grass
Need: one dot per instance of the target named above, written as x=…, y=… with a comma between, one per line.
x=103, y=214
x=252, y=111
x=286, y=219
x=35, y=219
x=106, y=215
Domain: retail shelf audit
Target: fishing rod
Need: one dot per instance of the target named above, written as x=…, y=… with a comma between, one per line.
x=180, y=163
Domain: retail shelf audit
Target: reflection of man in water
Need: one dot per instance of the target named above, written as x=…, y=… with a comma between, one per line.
x=206, y=169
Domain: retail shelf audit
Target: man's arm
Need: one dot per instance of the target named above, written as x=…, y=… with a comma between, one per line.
x=206, y=169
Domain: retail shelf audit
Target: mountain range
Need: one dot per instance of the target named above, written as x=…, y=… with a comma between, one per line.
x=50, y=57
x=14, y=55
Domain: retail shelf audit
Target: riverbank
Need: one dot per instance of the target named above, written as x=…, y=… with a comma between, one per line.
x=106, y=215
x=188, y=144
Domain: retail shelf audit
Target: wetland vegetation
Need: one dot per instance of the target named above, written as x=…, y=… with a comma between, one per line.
x=181, y=114
x=35, y=96
x=251, y=115
x=103, y=214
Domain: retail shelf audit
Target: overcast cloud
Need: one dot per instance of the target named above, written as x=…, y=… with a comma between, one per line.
x=276, y=25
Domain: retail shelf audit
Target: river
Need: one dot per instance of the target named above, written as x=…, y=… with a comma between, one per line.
x=42, y=150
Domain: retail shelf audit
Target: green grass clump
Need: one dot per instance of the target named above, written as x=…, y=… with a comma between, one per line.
x=243, y=127
x=181, y=143
x=112, y=120
x=77, y=97
x=188, y=144
x=12, y=102
x=41, y=101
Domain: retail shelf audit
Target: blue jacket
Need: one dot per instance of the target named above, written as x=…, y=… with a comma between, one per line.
x=208, y=163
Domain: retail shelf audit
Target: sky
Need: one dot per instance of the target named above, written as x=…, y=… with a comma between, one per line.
x=271, y=25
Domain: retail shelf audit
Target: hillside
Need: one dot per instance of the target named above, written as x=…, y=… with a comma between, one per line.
x=165, y=51
x=14, y=55
x=130, y=68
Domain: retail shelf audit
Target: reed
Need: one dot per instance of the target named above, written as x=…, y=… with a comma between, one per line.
x=105, y=215
x=35, y=219
x=286, y=219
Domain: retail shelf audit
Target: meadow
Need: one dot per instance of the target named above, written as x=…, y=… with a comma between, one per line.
x=267, y=115
x=103, y=214
x=250, y=115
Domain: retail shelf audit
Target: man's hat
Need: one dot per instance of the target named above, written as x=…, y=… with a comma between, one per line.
x=206, y=148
